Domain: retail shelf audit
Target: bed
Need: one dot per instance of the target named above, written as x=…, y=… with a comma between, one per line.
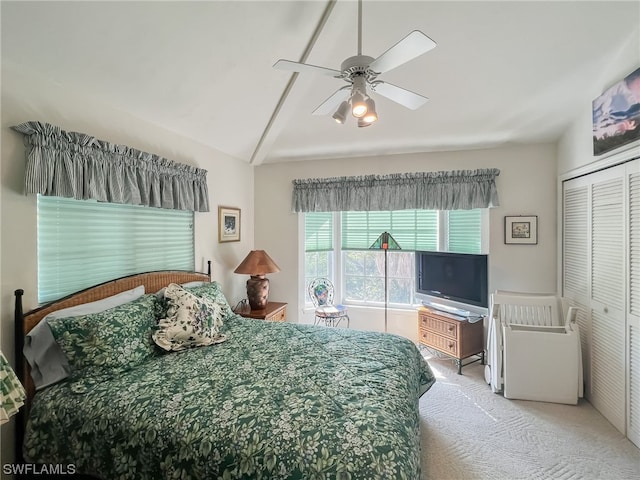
x=273, y=400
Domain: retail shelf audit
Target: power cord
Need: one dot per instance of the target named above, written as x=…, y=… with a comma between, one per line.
x=241, y=305
x=474, y=319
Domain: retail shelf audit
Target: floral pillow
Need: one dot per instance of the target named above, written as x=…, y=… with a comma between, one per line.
x=101, y=345
x=213, y=292
x=190, y=321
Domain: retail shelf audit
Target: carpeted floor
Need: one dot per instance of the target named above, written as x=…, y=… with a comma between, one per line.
x=469, y=432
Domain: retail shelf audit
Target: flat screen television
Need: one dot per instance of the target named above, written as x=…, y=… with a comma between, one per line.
x=458, y=277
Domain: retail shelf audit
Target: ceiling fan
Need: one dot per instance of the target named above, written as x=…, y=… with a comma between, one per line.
x=361, y=74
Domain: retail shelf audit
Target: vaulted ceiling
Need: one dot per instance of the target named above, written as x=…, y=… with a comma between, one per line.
x=502, y=72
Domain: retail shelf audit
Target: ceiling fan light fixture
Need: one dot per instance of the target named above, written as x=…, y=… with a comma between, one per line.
x=358, y=105
x=361, y=74
x=341, y=114
x=371, y=115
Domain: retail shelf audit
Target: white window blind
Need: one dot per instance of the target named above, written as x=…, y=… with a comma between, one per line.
x=412, y=229
x=83, y=242
x=464, y=231
x=318, y=227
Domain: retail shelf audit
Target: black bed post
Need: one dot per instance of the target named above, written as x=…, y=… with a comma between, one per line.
x=19, y=364
x=209, y=268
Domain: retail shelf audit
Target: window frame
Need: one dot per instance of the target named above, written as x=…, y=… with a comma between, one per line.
x=339, y=279
x=70, y=231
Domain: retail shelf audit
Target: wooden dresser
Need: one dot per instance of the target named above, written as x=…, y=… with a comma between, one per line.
x=451, y=335
x=274, y=312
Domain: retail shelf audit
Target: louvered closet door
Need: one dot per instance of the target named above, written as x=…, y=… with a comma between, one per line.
x=633, y=304
x=608, y=292
x=575, y=262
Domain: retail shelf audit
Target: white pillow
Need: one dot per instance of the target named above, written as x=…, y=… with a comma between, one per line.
x=48, y=362
x=197, y=283
x=191, y=321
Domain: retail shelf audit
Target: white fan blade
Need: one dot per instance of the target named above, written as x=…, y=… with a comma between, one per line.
x=331, y=103
x=410, y=47
x=305, y=67
x=404, y=97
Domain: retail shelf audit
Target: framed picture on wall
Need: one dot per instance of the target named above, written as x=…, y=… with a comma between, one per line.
x=521, y=229
x=616, y=115
x=228, y=224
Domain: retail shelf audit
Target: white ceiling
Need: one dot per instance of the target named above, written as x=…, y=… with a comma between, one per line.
x=502, y=72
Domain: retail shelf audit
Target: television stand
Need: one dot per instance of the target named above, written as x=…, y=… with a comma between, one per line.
x=451, y=335
x=458, y=312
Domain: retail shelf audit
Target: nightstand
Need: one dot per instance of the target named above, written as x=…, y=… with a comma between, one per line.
x=274, y=312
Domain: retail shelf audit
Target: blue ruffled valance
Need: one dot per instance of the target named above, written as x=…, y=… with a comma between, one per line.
x=454, y=190
x=77, y=165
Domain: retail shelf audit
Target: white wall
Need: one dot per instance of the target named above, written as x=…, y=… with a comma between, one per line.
x=526, y=186
x=230, y=182
x=575, y=148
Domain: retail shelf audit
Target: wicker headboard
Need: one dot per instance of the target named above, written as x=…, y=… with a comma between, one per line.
x=24, y=322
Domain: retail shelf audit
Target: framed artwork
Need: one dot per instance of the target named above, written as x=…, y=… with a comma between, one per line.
x=616, y=115
x=521, y=229
x=228, y=224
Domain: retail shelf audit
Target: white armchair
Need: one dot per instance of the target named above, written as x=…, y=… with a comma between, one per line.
x=534, y=348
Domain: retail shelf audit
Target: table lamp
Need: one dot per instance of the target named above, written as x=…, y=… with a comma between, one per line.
x=257, y=264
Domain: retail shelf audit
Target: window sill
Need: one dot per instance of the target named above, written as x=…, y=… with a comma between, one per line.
x=355, y=306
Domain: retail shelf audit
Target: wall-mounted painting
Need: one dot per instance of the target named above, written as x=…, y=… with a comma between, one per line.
x=521, y=229
x=228, y=224
x=616, y=115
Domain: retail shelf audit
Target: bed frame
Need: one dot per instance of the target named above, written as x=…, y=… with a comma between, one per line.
x=25, y=322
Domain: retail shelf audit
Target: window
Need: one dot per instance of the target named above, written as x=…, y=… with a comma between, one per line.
x=464, y=231
x=364, y=277
x=83, y=242
x=360, y=278
x=318, y=246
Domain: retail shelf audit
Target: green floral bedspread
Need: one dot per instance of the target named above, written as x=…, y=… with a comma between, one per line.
x=275, y=401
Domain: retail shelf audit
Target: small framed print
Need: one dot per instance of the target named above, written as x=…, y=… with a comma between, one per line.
x=228, y=224
x=521, y=230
